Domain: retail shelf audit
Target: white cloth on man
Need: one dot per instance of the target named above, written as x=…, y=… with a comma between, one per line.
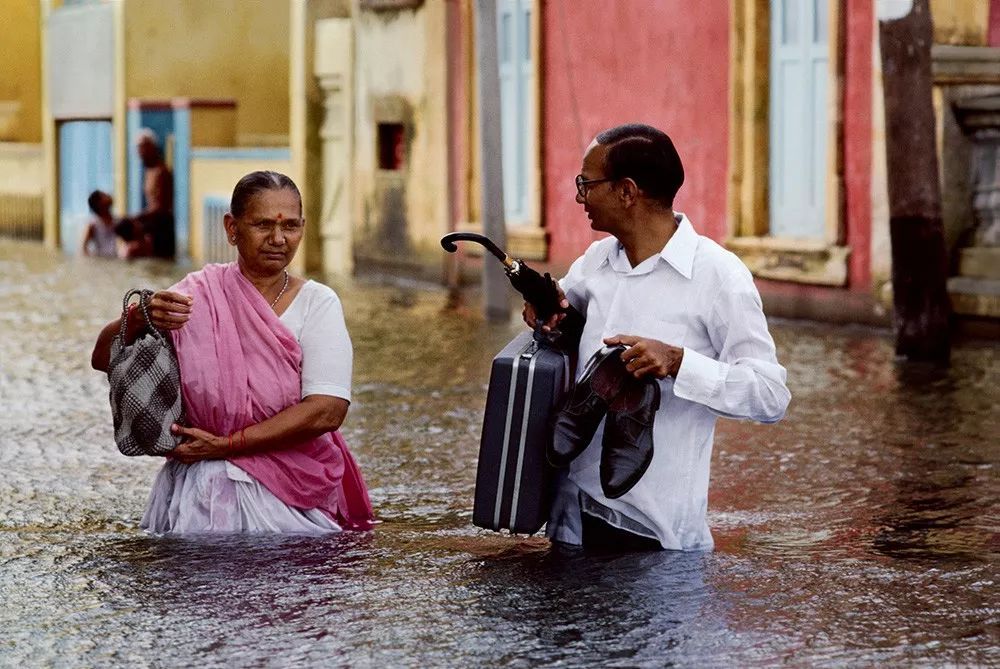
x=696, y=295
x=218, y=496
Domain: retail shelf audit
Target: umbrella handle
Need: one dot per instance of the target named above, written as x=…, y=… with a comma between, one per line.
x=448, y=243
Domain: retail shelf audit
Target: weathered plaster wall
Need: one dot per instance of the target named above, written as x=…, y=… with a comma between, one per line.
x=961, y=22
x=663, y=63
x=22, y=168
x=401, y=77
x=21, y=78
x=993, y=36
x=858, y=136
x=220, y=49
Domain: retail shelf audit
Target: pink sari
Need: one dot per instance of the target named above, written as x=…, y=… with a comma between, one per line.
x=239, y=366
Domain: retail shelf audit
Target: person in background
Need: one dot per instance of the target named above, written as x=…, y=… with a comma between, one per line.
x=151, y=231
x=690, y=316
x=265, y=365
x=100, y=238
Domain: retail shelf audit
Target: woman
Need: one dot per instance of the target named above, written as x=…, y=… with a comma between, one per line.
x=265, y=362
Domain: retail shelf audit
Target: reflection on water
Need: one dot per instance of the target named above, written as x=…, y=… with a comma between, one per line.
x=861, y=530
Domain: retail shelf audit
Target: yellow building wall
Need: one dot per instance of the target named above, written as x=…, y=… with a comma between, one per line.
x=401, y=74
x=21, y=73
x=960, y=22
x=22, y=168
x=219, y=49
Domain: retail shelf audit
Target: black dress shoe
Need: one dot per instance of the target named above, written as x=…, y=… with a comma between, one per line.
x=602, y=380
x=627, y=446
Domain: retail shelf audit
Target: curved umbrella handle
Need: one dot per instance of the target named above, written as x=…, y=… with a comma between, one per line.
x=448, y=243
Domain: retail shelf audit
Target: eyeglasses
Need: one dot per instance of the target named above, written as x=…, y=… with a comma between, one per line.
x=583, y=185
x=288, y=226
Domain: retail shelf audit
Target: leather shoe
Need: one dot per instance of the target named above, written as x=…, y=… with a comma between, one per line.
x=602, y=380
x=627, y=446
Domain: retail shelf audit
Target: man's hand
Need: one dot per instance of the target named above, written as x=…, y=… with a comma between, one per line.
x=648, y=356
x=169, y=311
x=199, y=445
x=531, y=318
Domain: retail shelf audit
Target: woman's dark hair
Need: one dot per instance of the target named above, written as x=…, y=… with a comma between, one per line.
x=256, y=182
x=647, y=156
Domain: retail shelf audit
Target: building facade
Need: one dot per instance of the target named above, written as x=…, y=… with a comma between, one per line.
x=371, y=106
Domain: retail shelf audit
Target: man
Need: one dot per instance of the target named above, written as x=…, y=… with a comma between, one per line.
x=691, y=317
x=152, y=229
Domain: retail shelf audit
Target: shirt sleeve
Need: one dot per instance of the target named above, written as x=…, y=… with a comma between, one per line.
x=744, y=380
x=327, y=354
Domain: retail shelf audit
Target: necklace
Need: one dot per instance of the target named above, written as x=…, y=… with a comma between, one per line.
x=282, y=291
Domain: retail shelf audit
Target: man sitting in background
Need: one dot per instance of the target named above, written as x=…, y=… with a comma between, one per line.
x=151, y=231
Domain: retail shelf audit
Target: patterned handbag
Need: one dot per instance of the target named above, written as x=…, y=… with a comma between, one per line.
x=145, y=387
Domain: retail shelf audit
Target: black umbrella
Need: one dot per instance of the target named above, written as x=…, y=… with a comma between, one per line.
x=537, y=289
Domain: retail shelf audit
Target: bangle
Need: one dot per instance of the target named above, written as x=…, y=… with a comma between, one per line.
x=243, y=438
x=230, y=442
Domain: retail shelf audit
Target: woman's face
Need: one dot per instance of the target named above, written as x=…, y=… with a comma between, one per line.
x=269, y=231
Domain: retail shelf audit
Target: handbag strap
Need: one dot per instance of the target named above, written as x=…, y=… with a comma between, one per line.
x=144, y=295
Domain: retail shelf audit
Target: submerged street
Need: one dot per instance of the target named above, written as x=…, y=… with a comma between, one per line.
x=861, y=530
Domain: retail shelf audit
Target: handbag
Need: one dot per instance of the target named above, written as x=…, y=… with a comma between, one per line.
x=145, y=387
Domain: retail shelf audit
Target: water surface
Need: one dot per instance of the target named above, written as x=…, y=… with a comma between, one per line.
x=862, y=530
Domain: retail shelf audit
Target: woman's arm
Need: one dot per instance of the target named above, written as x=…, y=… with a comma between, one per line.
x=101, y=356
x=313, y=416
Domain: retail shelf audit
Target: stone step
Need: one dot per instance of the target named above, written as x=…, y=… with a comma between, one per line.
x=980, y=261
x=973, y=296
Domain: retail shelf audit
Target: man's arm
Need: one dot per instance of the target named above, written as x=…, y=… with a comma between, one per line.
x=745, y=380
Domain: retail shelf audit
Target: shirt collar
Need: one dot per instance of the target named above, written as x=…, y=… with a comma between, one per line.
x=678, y=252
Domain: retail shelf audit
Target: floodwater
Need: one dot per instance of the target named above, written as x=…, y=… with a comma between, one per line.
x=860, y=531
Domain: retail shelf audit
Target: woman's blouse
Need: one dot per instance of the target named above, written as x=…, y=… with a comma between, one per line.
x=316, y=318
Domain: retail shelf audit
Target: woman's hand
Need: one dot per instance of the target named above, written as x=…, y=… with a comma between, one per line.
x=168, y=310
x=199, y=445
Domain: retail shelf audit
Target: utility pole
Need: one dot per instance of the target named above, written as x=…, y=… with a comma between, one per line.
x=919, y=256
x=496, y=299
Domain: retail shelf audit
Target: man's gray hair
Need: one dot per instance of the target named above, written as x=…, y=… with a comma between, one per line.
x=147, y=134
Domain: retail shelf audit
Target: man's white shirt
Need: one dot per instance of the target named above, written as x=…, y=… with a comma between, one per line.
x=696, y=295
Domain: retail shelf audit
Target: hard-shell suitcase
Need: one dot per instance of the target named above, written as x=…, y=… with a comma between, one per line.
x=514, y=481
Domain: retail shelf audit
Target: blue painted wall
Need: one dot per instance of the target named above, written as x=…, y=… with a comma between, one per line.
x=85, y=165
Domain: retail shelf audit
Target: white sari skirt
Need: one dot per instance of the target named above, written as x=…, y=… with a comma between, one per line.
x=217, y=496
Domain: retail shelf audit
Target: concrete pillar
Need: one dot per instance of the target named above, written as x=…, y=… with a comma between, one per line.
x=333, y=65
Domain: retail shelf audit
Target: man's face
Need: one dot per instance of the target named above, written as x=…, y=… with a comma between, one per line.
x=147, y=151
x=598, y=198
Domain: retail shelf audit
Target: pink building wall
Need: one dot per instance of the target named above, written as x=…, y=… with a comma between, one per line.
x=994, y=33
x=858, y=137
x=664, y=63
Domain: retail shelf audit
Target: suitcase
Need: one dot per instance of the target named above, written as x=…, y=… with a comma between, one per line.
x=514, y=480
